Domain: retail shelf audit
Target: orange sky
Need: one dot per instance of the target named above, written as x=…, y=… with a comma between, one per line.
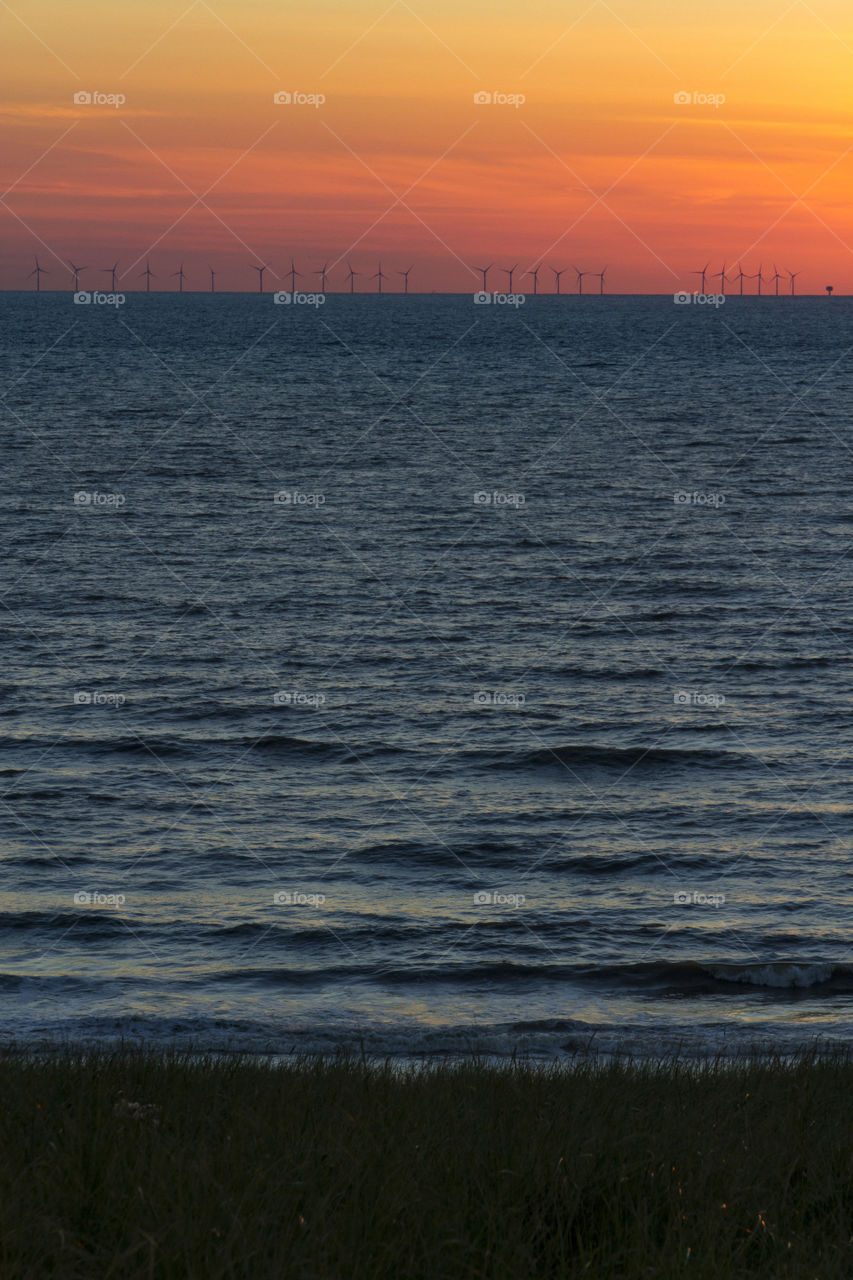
x=600, y=165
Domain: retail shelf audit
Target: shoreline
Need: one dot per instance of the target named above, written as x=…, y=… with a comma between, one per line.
x=142, y=1163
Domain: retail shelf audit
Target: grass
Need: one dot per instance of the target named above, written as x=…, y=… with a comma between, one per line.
x=135, y=1164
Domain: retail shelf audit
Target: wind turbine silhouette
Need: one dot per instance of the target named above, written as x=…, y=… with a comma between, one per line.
x=38, y=272
x=293, y=273
x=380, y=276
x=757, y=275
x=776, y=278
x=557, y=275
x=212, y=279
x=260, y=271
x=405, y=275
x=580, y=275
x=510, y=272
x=723, y=278
x=703, y=271
x=351, y=277
x=485, y=271
x=793, y=275
x=180, y=274
x=322, y=272
x=111, y=271
x=76, y=271
x=740, y=277
x=148, y=273
x=535, y=274
x=601, y=275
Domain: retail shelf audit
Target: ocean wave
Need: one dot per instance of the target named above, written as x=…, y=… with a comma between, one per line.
x=594, y=756
x=697, y=977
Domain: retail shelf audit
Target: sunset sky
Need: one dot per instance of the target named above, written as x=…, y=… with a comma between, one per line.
x=600, y=165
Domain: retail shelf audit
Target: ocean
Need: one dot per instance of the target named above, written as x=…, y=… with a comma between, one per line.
x=410, y=675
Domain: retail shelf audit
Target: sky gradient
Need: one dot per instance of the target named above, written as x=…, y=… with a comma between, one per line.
x=599, y=165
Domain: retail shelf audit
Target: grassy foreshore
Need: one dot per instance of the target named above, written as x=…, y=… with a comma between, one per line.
x=143, y=1165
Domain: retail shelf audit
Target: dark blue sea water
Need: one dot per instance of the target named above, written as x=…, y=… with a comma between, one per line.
x=424, y=676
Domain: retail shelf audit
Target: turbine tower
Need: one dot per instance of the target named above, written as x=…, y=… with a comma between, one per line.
x=535, y=274
x=703, y=271
x=740, y=277
x=405, y=275
x=260, y=271
x=723, y=279
x=601, y=275
x=76, y=271
x=148, y=273
x=580, y=275
x=322, y=272
x=212, y=279
x=557, y=275
x=793, y=275
x=111, y=271
x=509, y=272
x=351, y=277
x=757, y=275
x=293, y=273
x=180, y=274
x=380, y=276
x=776, y=277
x=38, y=272
x=485, y=271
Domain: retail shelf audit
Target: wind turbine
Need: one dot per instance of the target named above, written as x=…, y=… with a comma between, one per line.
x=776, y=278
x=601, y=275
x=351, y=277
x=757, y=275
x=111, y=271
x=260, y=271
x=703, y=271
x=557, y=275
x=793, y=275
x=38, y=272
x=740, y=277
x=509, y=272
x=723, y=279
x=535, y=274
x=293, y=273
x=322, y=272
x=212, y=279
x=580, y=275
x=380, y=276
x=76, y=271
x=148, y=273
x=485, y=271
x=180, y=274
x=405, y=275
